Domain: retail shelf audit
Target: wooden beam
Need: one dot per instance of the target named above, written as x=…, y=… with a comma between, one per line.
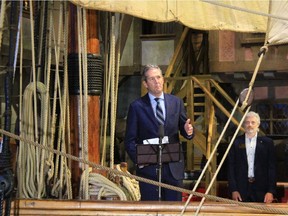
x=113, y=208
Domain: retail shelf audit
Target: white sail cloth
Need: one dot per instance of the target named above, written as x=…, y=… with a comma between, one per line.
x=277, y=29
x=239, y=16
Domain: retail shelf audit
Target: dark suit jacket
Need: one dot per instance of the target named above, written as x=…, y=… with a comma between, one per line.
x=264, y=167
x=142, y=125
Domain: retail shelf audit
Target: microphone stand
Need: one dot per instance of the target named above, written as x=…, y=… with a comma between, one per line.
x=161, y=135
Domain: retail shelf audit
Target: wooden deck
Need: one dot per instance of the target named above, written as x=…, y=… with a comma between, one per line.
x=119, y=208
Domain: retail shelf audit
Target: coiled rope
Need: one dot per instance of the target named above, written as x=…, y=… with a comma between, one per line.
x=31, y=161
x=131, y=185
x=29, y=127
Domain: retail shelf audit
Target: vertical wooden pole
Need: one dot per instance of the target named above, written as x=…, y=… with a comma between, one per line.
x=93, y=99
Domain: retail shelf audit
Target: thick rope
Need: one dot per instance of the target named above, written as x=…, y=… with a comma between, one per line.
x=29, y=162
x=211, y=157
x=263, y=50
x=103, y=187
x=131, y=185
x=171, y=187
x=222, y=160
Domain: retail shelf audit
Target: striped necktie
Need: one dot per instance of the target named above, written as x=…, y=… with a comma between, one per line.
x=159, y=112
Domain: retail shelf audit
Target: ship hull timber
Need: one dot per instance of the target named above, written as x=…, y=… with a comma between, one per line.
x=118, y=208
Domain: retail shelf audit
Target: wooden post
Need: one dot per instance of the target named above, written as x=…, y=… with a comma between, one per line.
x=93, y=99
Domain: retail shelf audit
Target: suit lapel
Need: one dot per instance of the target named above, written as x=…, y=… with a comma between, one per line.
x=258, y=146
x=167, y=111
x=148, y=109
x=243, y=150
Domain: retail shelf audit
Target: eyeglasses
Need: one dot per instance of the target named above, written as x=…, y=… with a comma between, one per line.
x=154, y=78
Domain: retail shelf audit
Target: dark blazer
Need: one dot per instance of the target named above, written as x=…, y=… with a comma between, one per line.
x=264, y=167
x=142, y=125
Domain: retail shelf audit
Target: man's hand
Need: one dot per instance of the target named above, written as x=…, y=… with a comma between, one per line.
x=236, y=196
x=188, y=127
x=268, y=198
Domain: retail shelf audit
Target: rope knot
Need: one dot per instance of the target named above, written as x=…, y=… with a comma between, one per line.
x=263, y=50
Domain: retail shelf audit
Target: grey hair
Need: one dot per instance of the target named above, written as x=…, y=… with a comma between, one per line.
x=147, y=68
x=254, y=114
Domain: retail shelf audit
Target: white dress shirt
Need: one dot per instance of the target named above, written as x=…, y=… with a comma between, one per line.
x=250, y=144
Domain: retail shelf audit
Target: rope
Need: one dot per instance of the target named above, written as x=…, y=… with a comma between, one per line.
x=66, y=104
x=61, y=141
x=66, y=92
x=131, y=185
x=112, y=71
x=103, y=187
x=81, y=135
x=81, y=17
x=263, y=50
x=223, y=159
x=120, y=173
x=105, y=104
x=64, y=178
x=85, y=105
x=53, y=171
x=2, y=15
x=211, y=157
x=30, y=166
x=44, y=123
x=20, y=93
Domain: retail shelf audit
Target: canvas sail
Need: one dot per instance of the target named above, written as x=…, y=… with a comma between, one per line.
x=277, y=28
x=196, y=14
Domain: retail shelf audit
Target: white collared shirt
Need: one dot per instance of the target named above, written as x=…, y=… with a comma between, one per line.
x=250, y=144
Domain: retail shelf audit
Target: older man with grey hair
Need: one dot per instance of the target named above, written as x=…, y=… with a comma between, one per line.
x=252, y=164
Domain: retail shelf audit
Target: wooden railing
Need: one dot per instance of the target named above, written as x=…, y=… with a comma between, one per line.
x=204, y=121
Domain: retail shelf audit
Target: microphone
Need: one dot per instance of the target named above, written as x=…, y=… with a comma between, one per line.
x=161, y=133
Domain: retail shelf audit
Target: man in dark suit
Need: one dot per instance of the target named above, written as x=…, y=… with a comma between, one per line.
x=142, y=127
x=252, y=164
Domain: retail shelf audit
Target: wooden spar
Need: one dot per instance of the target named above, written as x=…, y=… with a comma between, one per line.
x=93, y=99
x=113, y=208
